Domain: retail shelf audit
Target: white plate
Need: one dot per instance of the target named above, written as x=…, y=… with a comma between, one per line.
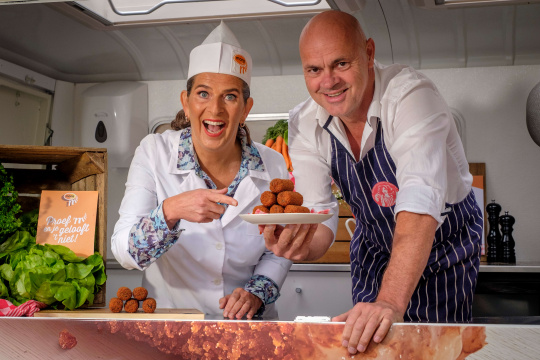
x=290, y=218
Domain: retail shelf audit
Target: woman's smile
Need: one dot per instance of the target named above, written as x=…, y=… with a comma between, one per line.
x=214, y=128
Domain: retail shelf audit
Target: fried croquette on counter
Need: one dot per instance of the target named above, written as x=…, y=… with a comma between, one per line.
x=277, y=209
x=296, y=209
x=131, y=306
x=116, y=305
x=279, y=185
x=140, y=293
x=149, y=305
x=290, y=198
x=262, y=208
x=268, y=198
x=124, y=293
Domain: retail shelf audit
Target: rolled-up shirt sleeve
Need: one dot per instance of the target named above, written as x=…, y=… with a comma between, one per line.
x=312, y=173
x=421, y=124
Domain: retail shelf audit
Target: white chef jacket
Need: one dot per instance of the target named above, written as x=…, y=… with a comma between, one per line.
x=415, y=121
x=209, y=260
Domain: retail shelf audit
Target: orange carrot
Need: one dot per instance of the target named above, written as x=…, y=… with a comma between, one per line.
x=285, y=152
x=278, y=144
x=269, y=143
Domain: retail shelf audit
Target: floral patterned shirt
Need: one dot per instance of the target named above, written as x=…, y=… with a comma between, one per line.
x=150, y=237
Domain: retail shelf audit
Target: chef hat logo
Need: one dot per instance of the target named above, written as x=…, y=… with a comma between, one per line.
x=221, y=53
x=70, y=198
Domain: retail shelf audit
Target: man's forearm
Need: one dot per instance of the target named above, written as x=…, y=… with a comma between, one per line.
x=321, y=242
x=413, y=239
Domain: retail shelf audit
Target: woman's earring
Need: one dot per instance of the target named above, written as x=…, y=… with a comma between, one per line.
x=187, y=119
x=243, y=125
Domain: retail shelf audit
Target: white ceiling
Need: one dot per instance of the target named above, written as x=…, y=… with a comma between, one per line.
x=62, y=42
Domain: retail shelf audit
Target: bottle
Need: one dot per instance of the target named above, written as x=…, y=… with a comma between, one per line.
x=508, y=253
x=494, y=235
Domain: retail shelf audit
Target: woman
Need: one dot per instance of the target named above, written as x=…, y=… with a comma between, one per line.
x=185, y=189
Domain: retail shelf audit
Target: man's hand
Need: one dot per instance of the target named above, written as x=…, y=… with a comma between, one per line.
x=366, y=321
x=291, y=242
x=240, y=303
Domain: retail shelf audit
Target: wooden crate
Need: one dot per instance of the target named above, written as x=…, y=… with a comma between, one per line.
x=60, y=168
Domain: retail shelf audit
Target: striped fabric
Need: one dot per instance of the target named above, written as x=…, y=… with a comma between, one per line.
x=26, y=309
x=445, y=290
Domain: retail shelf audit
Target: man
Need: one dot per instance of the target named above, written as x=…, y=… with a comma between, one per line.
x=378, y=131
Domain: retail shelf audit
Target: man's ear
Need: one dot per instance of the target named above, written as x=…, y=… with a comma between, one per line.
x=370, y=51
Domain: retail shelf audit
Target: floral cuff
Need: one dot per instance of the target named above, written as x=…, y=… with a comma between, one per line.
x=150, y=237
x=265, y=289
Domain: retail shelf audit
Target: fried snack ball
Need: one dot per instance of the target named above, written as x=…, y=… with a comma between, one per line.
x=140, y=293
x=262, y=208
x=290, y=198
x=131, y=305
x=124, y=293
x=296, y=209
x=116, y=305
x=279, y=185
x=276, y=209
x=149, y=305
x=268, y=198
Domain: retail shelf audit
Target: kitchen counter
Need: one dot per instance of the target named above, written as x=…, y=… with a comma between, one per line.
x=39, y=338
x=519, y=267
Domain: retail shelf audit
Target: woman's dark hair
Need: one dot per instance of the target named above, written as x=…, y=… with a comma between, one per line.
x=181, y=122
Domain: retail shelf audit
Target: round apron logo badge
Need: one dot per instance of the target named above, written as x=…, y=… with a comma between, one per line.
x=384, y=193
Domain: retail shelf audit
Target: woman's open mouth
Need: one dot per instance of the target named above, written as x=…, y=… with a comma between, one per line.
x=213, y=127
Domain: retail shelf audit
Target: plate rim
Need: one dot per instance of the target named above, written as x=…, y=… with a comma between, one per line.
x=327, y=216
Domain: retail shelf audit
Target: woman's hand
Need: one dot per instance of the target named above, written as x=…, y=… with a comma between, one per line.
x=198, y=206
x=239, y=303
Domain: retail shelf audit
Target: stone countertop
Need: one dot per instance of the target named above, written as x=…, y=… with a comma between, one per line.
x=60, y=338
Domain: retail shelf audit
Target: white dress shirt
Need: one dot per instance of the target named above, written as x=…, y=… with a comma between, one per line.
x=420, y=135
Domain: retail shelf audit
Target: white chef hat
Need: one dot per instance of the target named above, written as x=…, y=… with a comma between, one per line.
x=221, y=53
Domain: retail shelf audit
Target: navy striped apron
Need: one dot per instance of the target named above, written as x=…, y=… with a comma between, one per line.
x=445, y=290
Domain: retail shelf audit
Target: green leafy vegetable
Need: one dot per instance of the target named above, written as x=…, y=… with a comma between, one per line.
x=280, y=128
x=52, y=274
x=8, y=205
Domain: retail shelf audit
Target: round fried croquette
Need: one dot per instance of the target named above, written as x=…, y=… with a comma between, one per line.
x=131, y=305
x=263, y=208
x=290, y=198
x=268, y=198
x=276, y=209
x=279, y=185
x=149, y=305
x=116, y=305
x=296, y=209
x=124, y=293
x=140, y=293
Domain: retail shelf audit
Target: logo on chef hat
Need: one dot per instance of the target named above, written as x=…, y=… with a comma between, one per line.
x=70, y=198
x=239, y=64
x=384, y=193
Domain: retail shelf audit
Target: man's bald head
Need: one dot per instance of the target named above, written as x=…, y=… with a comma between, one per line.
x=335, y=24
